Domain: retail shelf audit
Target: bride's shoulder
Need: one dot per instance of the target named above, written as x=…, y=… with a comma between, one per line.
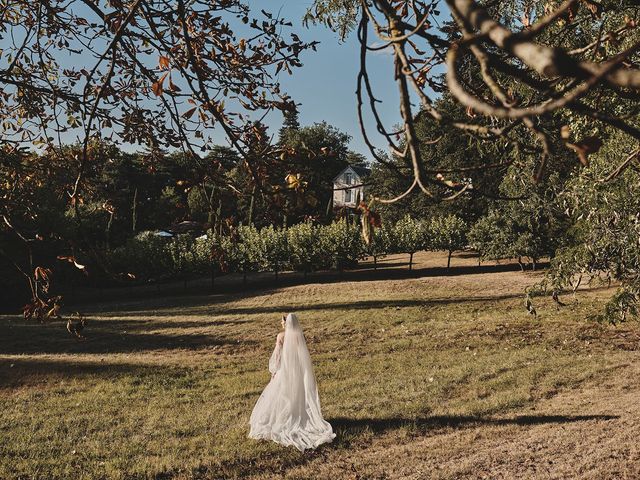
x=280, y=337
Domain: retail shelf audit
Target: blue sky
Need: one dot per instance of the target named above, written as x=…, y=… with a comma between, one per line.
x=326, y=84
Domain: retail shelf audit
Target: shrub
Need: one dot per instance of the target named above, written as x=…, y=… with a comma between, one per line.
x=382, y=243
x=182, y=258
x=340, y=244
x=275, y=249
x=447, y=233
x=145, y=255
x=498, y=236
x=303, y=243
x=409, y=237
x=252, y=252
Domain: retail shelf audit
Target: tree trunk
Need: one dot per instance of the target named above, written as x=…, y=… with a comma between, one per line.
x=219, y=217
x=134, y=211
x=108, y=230
x=449, y=260
x=329, y=203
x=211, y=215
x=411, y=261
x=533, y=264
x=251, y=205
x=375, y=262
x=521, y=264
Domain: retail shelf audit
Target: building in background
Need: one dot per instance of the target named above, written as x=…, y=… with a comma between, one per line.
x=349, y=186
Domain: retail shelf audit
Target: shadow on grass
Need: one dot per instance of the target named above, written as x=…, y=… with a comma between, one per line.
x=352, y=426
x=22, y=338
x=277, y=464
x=175, y=292
x=369, y=266
x=367, y=304
x=18, y=372
x=144, y=321
x=207, y=309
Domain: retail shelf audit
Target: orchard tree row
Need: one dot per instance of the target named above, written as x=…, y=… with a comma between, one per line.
x=305, y=247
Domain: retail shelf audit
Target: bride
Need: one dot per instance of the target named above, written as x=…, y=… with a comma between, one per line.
x=288, y=411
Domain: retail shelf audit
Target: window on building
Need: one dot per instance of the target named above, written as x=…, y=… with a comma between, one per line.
x=347, y=196
x=347, y=178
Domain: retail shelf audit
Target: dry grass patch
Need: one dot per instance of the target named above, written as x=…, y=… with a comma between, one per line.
x=163, y=388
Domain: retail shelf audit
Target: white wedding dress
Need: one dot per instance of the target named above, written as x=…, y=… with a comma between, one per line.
x=288, y=411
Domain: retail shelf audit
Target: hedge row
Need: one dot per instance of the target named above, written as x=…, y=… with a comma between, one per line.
x=304, y=247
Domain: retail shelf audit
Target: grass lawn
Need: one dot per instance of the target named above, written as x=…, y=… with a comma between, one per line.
x=434, y=377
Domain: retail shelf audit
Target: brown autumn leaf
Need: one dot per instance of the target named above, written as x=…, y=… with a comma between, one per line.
x=189, y=113
x=54, y=311
x=41, y=273
x=367, y=227
x=292, y=180
x=44, y=276
x=115, y=24
x=73, y=260
x=585, y=147
x=172, y=86
x=369, y=220
x=447, y=182
x=163, y=62
x=158, y=87
x=106, y=206
x=568, y=16
x=593, y=7
x=471, y=113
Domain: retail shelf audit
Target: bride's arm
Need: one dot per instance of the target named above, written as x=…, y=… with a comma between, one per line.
x=274, y=361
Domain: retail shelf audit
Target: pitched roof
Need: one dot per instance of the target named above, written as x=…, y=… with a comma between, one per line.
x=360, y=171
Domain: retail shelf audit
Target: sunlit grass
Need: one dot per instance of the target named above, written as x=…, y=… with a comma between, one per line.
x=166, y=386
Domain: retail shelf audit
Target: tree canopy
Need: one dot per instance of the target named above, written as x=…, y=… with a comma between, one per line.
x=532, y=103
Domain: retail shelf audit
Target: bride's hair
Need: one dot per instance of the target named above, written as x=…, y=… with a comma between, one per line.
x=292, y=320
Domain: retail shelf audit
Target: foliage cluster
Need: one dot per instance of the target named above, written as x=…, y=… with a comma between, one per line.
x=304, y=247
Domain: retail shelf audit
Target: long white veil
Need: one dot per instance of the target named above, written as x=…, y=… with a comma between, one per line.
x=288, y=411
